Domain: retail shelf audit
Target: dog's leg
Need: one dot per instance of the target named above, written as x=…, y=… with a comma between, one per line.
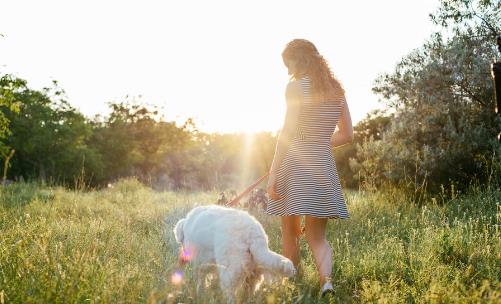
x=229, y=280
x=231, y=274
x=204, y=274
x=252, y=282
x=200, y=272
x=268, y=259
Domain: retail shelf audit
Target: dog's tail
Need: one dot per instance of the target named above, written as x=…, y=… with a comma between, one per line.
x=179, y=231
x=268, y=259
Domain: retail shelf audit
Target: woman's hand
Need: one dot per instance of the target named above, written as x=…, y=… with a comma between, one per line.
x=271, y=189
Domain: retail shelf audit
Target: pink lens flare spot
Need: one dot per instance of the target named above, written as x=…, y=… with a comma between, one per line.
x=186, y=255
x=177, y=277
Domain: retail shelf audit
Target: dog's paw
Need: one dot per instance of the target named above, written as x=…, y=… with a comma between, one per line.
x=288, y=268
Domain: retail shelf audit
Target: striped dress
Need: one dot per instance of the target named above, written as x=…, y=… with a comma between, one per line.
x=307, y=179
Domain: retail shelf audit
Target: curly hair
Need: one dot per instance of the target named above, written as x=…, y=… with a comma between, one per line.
x=325, y=86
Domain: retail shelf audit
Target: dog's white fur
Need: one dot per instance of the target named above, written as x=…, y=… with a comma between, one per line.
x=233, y=241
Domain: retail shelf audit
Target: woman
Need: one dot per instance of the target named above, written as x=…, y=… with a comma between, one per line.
x=303, y=177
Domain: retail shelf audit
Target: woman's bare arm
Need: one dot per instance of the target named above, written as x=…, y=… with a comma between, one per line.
x=293, y=96
x=344, y=134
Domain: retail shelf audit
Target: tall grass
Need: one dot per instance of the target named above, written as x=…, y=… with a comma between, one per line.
x=116, y=246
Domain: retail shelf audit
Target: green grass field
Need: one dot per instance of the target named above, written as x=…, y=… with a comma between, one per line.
x=112, y=246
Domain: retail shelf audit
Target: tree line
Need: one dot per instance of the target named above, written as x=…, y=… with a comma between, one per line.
x=55, y=143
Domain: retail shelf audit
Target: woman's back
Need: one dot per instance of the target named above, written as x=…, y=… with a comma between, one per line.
x=317, y=120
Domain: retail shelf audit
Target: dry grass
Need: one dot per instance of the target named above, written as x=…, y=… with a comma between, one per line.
x=111, y=246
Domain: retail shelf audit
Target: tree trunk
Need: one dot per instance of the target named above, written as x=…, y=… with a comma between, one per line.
x=496, y=75
x=41, y=172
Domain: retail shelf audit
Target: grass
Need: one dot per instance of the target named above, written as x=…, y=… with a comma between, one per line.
x=112, y=246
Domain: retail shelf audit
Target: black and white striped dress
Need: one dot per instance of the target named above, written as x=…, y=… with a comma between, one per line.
x=307, y=179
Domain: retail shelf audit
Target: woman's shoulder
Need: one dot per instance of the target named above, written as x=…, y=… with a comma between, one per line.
x=294, y=91
x=294, y=85
x=298, y=83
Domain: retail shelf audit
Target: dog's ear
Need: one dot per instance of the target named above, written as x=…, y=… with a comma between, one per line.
x=178, y=231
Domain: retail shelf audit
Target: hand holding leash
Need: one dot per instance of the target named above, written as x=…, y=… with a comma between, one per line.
x=271, y=189
x=249, y=189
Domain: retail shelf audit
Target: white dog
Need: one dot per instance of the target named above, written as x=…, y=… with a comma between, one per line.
x=234, y=242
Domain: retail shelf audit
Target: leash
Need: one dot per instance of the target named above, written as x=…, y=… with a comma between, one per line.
x=249, y=189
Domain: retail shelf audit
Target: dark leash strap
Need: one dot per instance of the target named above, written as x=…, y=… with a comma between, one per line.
x=246, y=191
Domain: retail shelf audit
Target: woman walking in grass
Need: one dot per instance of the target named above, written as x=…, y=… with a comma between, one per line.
x=303, y=178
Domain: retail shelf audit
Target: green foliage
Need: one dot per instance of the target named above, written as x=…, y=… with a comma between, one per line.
x=479, y=16
x=116, y=245
x=444, y=126
x=133, y=142
x=9, y=86
x=371, y=128
x=54, y=143
x=49, y=136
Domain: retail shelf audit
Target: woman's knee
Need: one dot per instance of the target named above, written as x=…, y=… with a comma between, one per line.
x=314, y=238
x=315, y=230
x=291, y=227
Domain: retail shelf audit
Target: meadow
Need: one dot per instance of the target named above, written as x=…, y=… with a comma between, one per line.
x=116, y=246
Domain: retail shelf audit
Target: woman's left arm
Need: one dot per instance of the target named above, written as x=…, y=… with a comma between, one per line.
x=344, y=134
x=293, y=96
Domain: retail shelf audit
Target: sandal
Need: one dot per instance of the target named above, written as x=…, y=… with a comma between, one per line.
x=327, y=289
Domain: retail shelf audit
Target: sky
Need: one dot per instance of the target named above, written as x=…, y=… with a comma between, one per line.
x=216, y=61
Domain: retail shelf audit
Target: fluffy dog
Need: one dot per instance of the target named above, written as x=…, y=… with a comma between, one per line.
x=234, y=242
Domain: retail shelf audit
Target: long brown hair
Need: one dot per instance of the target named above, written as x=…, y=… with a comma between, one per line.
x=325, y=86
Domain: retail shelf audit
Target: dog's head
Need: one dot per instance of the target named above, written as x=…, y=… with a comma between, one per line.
x=184, y=253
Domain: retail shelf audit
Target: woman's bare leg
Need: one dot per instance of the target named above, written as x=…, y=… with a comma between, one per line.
x=322, y=252
x=291, y=230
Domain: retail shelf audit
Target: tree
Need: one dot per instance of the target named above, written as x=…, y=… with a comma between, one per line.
x=9, y=86
x=444, y=125
x=371, y=128
x=48, y=135
x=134, y=142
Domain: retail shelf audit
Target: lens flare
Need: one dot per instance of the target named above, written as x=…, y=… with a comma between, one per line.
x=177, y=277
x=246, y=155
x=186, y=255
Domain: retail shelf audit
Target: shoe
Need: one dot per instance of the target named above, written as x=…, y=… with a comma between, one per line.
x=327, y=289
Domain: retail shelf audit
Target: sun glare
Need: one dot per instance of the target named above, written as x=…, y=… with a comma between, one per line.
x=249, y=124
x=246, y=161
x=234, y=85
